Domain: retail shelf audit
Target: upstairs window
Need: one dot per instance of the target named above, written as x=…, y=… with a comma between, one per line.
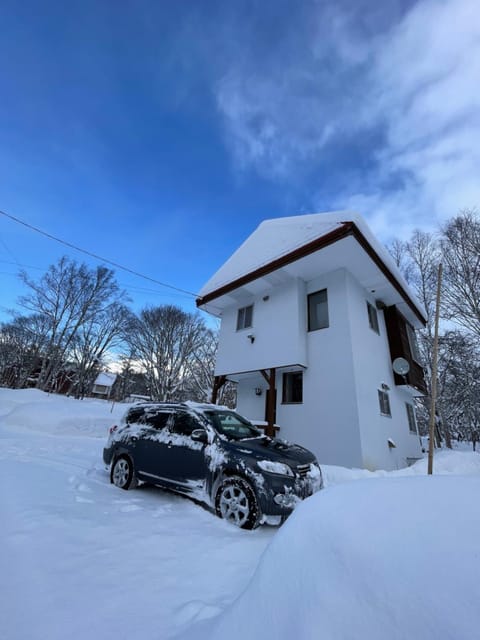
x=372, y=317
x=292, y=391
x=318, y=310
x=244, y=317
x=384, y=402
x=413, y=342
x=412, y=423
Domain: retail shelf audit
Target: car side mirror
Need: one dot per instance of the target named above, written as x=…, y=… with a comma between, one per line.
x=199, y=435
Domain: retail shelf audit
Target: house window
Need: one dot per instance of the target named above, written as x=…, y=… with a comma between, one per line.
x=384, y=402
x=413, y=342
x=244, y=317
x=372, y=317
x=412, y=423
x=292, y=387
x=318, y=310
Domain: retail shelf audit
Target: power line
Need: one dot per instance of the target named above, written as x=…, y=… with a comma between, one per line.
x=94, y=255
x=122, y=284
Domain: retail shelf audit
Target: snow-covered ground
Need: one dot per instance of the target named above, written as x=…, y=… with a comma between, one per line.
x=80, y=558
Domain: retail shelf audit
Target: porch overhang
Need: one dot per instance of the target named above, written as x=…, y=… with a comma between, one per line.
x=256, y=374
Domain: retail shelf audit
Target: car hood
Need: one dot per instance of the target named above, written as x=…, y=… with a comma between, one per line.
x=265, y=448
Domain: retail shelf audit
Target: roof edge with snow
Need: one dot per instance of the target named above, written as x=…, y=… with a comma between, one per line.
x=347, y=228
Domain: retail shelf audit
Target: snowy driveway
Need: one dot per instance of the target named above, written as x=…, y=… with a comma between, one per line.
x=84, y=559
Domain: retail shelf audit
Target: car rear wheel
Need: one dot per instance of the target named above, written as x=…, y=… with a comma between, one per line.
x=235, y=502
x=122, y=474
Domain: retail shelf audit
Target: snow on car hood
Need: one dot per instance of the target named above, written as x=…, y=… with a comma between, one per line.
x=264, y=447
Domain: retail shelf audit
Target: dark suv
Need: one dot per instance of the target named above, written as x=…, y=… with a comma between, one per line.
x=213, y=455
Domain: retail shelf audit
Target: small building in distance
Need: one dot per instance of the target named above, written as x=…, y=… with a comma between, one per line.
x=102, y=387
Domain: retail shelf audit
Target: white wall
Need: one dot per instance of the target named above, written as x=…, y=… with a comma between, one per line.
x=327, y=421
x=372, y=367
x=339, y=419
x=278, y=327
x=248, y=404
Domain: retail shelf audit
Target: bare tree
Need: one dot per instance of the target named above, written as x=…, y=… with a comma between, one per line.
x=165, y=339
x=68, y=296
x=459, y=383
x=22, y=342
x=461, y=258
x=101, y=331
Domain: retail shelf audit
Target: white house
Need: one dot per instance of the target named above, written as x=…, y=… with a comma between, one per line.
x=313, y=314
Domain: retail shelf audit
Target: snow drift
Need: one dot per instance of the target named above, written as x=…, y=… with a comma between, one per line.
x=386, y=558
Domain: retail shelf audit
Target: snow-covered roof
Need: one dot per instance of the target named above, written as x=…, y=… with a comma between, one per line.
x=106, y=379
x=280, y=241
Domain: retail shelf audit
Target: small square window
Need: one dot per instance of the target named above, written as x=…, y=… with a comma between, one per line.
x=292, y=391
x=245, y=317
x=384, y=402
x=412, y=423
x=318, y=310
x=373, y=318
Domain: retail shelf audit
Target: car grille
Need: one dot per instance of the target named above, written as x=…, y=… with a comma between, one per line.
x=303, y=469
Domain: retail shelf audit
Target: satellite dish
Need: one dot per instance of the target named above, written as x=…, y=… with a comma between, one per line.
x=401, y=366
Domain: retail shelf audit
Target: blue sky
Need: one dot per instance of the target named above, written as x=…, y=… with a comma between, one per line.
x=160, y=134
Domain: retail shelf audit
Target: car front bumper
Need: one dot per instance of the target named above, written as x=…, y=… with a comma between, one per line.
x=281, y=494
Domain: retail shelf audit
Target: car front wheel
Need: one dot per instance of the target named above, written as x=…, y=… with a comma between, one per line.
x=122, y=474
x=235, y=502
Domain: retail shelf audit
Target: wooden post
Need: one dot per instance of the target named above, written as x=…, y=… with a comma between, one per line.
x=218, y=383
x=270, y=378
x=434, y=374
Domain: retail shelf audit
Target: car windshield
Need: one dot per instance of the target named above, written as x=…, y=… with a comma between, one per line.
x=232, y=425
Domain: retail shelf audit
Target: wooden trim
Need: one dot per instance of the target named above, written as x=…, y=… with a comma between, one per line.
x=265, y=375
x=347, y=229
x=218, y=382
x=363, y=242
x=399, y=347
x=278, y=263
x=270, y=428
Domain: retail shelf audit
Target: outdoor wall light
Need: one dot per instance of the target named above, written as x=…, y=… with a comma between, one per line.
x=251, y=337
x=258, y=391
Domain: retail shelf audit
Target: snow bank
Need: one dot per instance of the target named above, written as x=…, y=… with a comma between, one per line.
x=370, y=559
x=52, y=414
x=353, y=561
x=444, y=462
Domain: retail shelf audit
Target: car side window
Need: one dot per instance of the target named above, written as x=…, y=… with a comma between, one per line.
x=184, y=424
x=134, y=416
x=157, y=420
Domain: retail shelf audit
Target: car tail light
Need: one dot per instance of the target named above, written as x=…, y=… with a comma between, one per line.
x=112, y=429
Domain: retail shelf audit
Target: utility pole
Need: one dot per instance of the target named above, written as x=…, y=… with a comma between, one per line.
x=434, y=374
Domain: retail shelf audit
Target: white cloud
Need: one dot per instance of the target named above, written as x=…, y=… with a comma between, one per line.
x=417, y=79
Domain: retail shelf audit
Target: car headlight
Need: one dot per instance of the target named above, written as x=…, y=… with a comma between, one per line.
x=279, y=468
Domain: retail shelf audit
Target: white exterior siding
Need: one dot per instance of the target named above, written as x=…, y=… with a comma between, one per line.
x=339, y=418
x=372, y=367
x=345, y=364
x=278, y=327
x=327, y=421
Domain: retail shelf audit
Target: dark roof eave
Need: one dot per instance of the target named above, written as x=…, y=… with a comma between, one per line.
x=347, y=229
